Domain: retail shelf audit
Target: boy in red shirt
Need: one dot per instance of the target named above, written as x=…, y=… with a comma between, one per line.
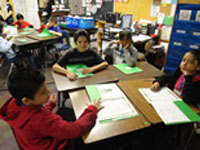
x=20, y=23
x=42, y=24
x=34, y=125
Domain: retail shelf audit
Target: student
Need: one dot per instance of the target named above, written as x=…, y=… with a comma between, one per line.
x=20, y=23
x=80, y=55
x=42, y=24
x=122, y=50
x=9, y=18
x=33, y=123
x=54, y=28
x=185, y=80
x=7, y=52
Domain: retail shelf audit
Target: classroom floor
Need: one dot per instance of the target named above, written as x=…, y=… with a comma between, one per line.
x=7, y=141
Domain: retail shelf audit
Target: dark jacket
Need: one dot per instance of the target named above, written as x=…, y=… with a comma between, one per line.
x=191, y=89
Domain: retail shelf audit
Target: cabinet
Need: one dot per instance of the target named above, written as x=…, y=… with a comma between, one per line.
x=185, y=34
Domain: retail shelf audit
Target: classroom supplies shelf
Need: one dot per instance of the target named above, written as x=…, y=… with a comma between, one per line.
x=185, y=34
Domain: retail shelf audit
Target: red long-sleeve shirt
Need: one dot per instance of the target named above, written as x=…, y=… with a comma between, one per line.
x=38, y=128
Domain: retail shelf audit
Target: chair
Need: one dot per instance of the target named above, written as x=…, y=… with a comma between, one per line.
x=12, y=62
x=147, y=48
x=66, y=37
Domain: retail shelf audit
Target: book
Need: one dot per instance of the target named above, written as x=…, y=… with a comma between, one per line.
x=123, y=67
x=170, y=108
x=116, y=105
x=77, y=69
x=197, y=18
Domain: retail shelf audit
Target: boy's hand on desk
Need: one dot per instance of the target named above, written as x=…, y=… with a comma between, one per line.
x=87, y=70
x=96, y=103
x=71, y=76
x=155, y=86
x=53, y=97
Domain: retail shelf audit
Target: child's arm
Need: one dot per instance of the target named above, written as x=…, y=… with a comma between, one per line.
x=57, y=68
x=6, y=45
x=55, y=126
x=55, y=33
x=52, y=102
x=95, y=68
x=190, y=93
x=130, y=55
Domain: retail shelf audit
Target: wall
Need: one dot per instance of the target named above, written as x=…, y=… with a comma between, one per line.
x=189, y=1
x=141, y=9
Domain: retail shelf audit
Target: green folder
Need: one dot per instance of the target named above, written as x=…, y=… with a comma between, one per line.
x=168, y=20
x=45, y=33
x=21, y=40
x=27, y=29
x=191, y=115
x=127, y=69
x=77, y=69
x=25, y=32
x=93, y=92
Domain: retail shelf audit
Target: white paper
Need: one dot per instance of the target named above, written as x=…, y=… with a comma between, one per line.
x=166, y=32
x=166, y=1
x=169, y=112
x=161, y=18
x=155, y=10
x=197, y=18
x=140, y=38
x=173, y=9
x=163, y=95
x=115, y=103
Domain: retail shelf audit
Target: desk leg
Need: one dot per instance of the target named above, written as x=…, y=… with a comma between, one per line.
x=60, y=99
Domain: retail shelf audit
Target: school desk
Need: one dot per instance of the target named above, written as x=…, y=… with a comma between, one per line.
x=100, y=131
x=149, y=71
x=130, y=88
x=64, y=84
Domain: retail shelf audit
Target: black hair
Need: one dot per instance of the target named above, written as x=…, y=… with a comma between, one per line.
x=1, y=27
x=24, y=82
x=125, y=33
x=81, y=32
x=196, y=54
x=19, y=16
x=53, y=19
x=43, y=19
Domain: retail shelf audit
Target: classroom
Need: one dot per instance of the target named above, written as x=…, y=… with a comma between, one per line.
x=99, y=74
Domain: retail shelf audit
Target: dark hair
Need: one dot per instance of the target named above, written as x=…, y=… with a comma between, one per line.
x=125, y=33
x=24, y=82
x=1, y=27
x=196, y=54
x=81, y=32
x=53, y=19
x=19, y=16
x=43, y=19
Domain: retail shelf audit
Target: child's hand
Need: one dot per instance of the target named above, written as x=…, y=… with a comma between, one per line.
x=87, y=70
x=96, y=103
x=115, y=42
x=127, y=45
x=71, y=76
x=53, y=97
x=155, y=87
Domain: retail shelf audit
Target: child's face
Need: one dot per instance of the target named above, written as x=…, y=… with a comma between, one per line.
x=189, y=64
x=20, y=20
x=51, y=23
x=82, y=44
x=125, y=41
x=41, y=96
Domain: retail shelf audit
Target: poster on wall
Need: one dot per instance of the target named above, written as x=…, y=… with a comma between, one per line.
x=76, y=7
x=155, y=10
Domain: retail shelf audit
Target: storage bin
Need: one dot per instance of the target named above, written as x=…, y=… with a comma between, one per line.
x=86, y=23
